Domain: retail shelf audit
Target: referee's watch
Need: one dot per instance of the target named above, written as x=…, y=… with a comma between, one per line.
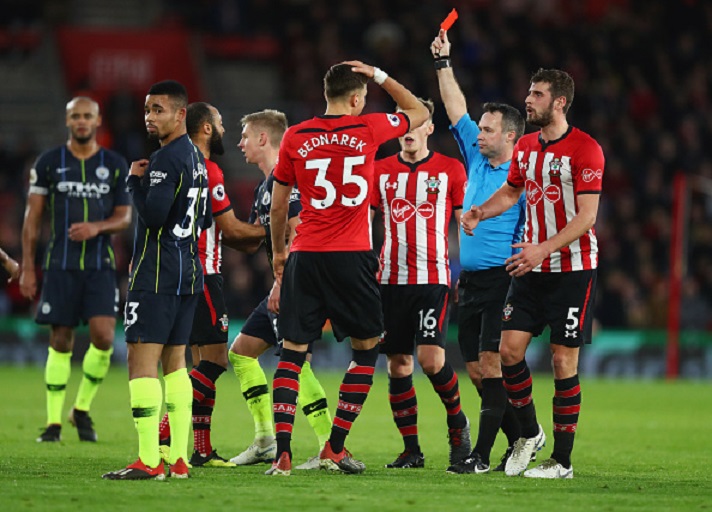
x=443, y=62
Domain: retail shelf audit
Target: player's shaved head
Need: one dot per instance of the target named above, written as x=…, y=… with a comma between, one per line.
x=340, y=82
x=82, y=99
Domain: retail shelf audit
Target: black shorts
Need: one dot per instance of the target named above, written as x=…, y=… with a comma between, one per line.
x=159, y=318
x=262, y=324
x=414, y=315
x=340, y=286
x=71, y=296
x=481, y=297
x=561, y=300
x=210, y=324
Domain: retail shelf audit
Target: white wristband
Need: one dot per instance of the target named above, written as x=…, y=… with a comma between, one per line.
x=379, y=76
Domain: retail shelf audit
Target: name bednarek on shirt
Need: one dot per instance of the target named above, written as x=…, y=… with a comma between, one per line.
x=79, y=189
x=331, y=139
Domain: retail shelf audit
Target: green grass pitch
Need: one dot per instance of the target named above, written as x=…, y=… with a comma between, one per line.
x=641, y=445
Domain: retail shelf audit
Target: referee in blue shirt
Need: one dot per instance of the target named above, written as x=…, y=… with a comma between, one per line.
x=483, y=284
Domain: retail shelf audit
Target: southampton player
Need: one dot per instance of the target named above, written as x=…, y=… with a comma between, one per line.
x=554, y=276
x=84, y=188
x=261, y=135
x=170, y=194
x=208, y=338
x=417, y=191
x=331, y=272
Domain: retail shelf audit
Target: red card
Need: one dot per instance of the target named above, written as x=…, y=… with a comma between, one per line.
x=447, y=22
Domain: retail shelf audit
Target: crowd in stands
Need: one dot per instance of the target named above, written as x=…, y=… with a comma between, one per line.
x=643, y=75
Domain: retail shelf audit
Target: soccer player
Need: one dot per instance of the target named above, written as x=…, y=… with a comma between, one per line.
x=418, y=190
x=84, y=188
x=170, y=194
x=554, y=276
x=11, y=266
x=483, y=282
x=331, y=272
x=208, y=338
x=262, y=133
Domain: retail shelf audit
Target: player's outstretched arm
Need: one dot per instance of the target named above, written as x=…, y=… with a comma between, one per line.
x=240, y=235
x=450, y=92
x=502, y=200
x=407, y=102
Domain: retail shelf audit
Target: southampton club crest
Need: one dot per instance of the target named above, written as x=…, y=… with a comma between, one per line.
x=555, y=167
x=507, y=313
x=433, y=185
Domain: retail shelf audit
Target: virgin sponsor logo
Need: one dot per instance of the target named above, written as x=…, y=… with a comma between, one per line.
x=535, y=193
x=589, y=175
x=402, y=210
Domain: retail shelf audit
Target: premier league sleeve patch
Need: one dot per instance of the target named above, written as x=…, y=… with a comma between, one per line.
x=394, y=120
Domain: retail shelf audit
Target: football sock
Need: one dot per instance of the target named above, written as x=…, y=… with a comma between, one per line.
x=567, y=405
x=179, y=398
x=146, y=398
x=314, y=406
x=518, y=384
x=95, y=367
x=164, y=430
x=510, y=424
x=203, y=378
x=352, y=395
x=494, y=401
x=445, y=384
x=285, y=388
x=253, y=384
x=57, y=371
x=404, y=405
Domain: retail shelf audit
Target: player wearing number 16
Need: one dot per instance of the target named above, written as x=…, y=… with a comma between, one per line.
x=170, y=194
x=331, y=271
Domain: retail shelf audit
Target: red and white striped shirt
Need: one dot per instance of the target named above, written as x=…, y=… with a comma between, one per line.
x=210, y=241
x=553, y=175
x=417, y=201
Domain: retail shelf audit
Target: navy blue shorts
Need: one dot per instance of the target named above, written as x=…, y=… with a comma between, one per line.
x=339, y=286
x=415, y=314
x=561, y=300
x=481, y=298
x=210, y=324
x=71, y=296
x=262, y=324
x=159, y=318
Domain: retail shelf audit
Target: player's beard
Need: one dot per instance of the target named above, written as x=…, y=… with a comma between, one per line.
x=543, y=119
x=216, y=143
x=84, y=139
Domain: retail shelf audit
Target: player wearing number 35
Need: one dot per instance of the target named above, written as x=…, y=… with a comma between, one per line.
x=331, y=271
x=170, y=194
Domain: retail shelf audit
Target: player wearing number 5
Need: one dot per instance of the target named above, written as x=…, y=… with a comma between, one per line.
x=331, y=271
x=554, y=276
x=170, y=194
x=418, y=191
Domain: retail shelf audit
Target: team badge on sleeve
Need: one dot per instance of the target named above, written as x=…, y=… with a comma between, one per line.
x=219, y=192
x=394, y=120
